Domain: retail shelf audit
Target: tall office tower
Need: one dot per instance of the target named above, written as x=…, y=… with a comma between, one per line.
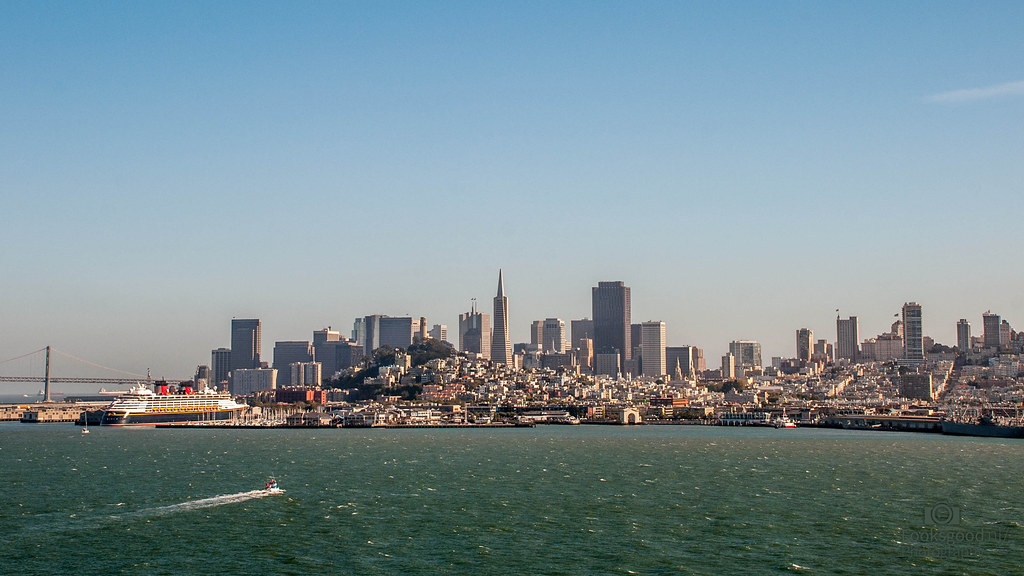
x=245, y=343
x=396, y=332
x=439, y=332
x=990, y=324
x=847, y=338
x=913, y=332
x=370, y=337
x=636, y=339
x=747, y=353
x=611, y=312
x=326, y=335
x=698, y=360
x=287, y=353
x=475, y=332
x=679, y=359
x=220, y=367
x=653, y=349
x=804, y=344
x=201, y=380
x=501, y=345
x=963, y=335
x=585, y=354
x=607, y=364
x=337, y=355
x=823, y=350
x=1004, y=335
x=537, y=334
x=579, y=330
x=359, y=330
x=728, y=366
x=553, y=336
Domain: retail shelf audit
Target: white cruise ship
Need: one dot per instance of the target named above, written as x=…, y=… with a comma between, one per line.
x=142, y=406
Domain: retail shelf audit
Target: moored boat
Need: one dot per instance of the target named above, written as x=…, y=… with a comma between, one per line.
x=142, y=406
x=985, y=426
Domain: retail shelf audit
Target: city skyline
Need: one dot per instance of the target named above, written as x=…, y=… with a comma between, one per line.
x=162, y=166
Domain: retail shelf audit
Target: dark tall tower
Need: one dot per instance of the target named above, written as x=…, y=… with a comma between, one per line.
x=501, y=346
x=612, y=320
x=245, y=343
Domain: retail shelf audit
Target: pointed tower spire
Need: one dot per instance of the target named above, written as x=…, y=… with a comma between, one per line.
x=501, y=346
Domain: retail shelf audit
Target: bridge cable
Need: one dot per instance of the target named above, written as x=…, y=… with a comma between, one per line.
x=22, y=356
x=95, y=365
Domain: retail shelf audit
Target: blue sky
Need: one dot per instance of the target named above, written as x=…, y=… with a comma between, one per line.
x=746, y=168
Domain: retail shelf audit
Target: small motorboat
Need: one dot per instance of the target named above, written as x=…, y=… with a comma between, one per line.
x=272, y=486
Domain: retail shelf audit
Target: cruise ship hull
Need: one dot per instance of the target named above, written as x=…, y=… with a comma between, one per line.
x=122, y=418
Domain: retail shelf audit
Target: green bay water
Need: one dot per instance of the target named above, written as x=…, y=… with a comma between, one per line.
x=544, y=500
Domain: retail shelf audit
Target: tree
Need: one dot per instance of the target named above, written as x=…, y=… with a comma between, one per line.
x=424, y=350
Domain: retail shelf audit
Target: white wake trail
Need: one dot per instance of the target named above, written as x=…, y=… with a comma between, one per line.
x=198, y=504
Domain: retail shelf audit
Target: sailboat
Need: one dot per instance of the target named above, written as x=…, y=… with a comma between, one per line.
x=85, y=422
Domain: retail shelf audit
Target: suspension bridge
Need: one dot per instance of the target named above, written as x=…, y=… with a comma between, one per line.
x=46, y=379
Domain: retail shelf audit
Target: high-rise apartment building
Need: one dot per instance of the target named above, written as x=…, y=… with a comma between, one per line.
x=963, y=335
x=847, y=338
x=728, y=366
x=913, y=332
x=990, y=324
x=611, y=312
x=439, y=332
x=475, y=332
x=501, y=345
x=245, y=381
x=653, y=349
x=804, y=344
x=246, y=341
x=747, y=353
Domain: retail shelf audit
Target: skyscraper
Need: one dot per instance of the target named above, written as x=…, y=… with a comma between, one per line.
x=475, y=332
x=804, y=344
x=728, y=366
x=290, y=352
x=747, y=353
x=990, y=324
x=913, y=332
x=553, y=336
x=501, y=346
x=847, y=338
x=653, y=349
x=963, y=335
x=581, y=330
x=246, y=340
x=611, y=311
x=220, y=367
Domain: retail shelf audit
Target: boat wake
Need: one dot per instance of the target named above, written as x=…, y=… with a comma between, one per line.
x=201, y=503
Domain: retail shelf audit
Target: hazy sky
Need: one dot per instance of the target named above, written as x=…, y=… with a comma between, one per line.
x=746, y=168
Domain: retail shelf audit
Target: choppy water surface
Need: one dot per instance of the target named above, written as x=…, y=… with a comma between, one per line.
x=552, y=500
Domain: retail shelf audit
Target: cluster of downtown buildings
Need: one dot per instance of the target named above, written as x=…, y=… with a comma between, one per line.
x=607, y=359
